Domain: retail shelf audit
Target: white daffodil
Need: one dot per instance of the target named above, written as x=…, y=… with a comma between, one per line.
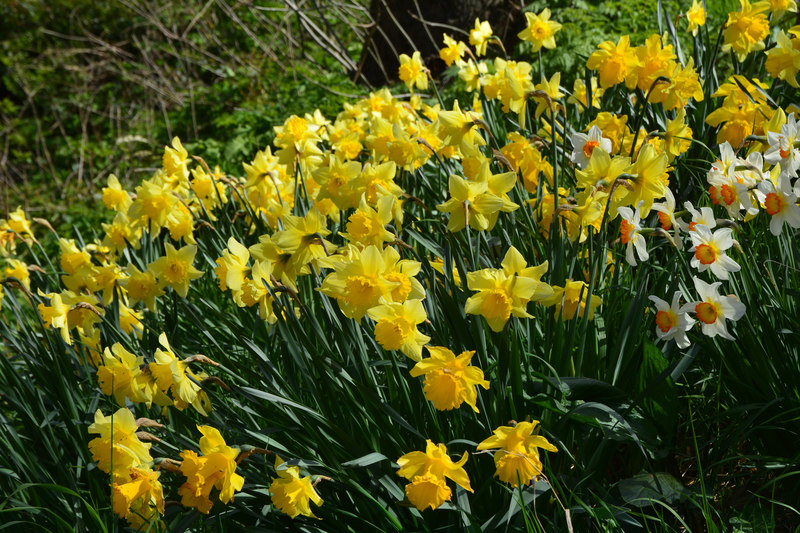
x=704, y=216
x=712, y=310
x=732, y=193
x=750, y=172
x=727, y=157
x=672, y=322
x=630, y=234
x=781, y=147
x=666, y=217
x=584, y=144
x=709, y=251
x=780, y=202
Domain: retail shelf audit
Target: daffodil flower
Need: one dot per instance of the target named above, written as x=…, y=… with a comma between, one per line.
x=584, y=145
x=713, y=310
x=672, y=322
x=630, y=230
x=709, y=251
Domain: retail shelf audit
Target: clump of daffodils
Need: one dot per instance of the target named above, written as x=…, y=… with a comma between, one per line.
x=325, y=215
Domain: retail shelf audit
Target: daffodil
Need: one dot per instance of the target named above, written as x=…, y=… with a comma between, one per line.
x=671, y=321
x=614, y=128
x=479, y=36
x=471, y=74
x=412, y=72
x=175, y=269
x=117, y=444
x=453, y=50
x=427, y=471
x=782, y=149
x=573, y=299
x=120, y=233
x=358, y=282
x=655, y=60
x=614, y=63
x=459, y=128
x=141, y=286
x=649, y=183
x=746, y=29
x=139, y=497
x=216, y=468
x=233, y=266
x=18, y=270
x=368, y=226
x=115, y=197
x=781, y=204
x=176, y=160
x=580, y=94
x=677, y=135
x=783, y=61
x=449, y=379
x=584, y=145
x=709, y=251
x=293, y=494
x=713, y=310
x=540, y=30
x=120, y=375
x=396, y=327
x=502, y=293
x=696, y=16
x=666, y=217
x=630, y=230
x=175, y=375
x=72, y=258
x=55, y=315
x=517, y=457
x=154, y=202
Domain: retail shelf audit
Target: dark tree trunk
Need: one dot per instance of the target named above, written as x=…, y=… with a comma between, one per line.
x=403, y=26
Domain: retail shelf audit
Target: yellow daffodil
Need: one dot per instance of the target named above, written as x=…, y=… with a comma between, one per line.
x=540, y=31
x=141, y=286
x=139, y=498
x=453, y=50
x=55, y=315
x=471, y=73
x=18, y=270
x=746, y=29
x=174, y=375
x=505, y=292
x=573, y=299
x=449, y=379
x=783, y=61
x=696, y=16
x=614, y=63
x=120, y=375
x=72, y=258
x=175, y=269
x=360, y=282
x=479, y=36
x=396, y=327
x=293, y=494
x=216, y=468
x=117, y=444
x=115, y=197
x=154, y=202
x=412, y=72
x=233, y=266
x=427, y=471
x=517, y=457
